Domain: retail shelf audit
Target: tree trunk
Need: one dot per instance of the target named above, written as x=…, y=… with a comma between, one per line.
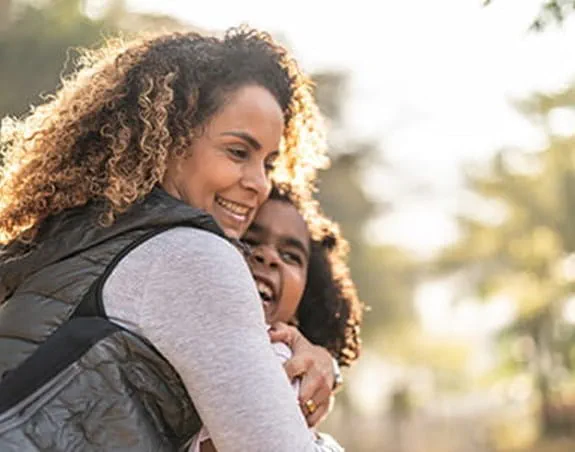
x=543, y=369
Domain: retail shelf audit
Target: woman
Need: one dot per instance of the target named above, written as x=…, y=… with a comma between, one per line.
x=301, y=280
x=131, y=179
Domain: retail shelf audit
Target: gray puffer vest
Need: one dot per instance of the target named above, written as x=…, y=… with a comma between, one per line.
x=70, y=379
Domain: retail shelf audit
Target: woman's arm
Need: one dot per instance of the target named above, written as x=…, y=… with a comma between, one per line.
x=314, y=365
x=193, y=297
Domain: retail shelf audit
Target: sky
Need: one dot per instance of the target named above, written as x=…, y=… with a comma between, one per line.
x=434, y=82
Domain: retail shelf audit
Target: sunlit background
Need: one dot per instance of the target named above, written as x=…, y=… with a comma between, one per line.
x=452, y=131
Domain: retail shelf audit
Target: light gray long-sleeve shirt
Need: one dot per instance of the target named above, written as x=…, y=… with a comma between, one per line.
x=190, y=293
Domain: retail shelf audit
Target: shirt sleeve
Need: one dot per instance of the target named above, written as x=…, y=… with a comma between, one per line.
x=191, y=294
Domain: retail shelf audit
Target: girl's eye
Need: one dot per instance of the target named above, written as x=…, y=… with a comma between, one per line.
x=290, y=257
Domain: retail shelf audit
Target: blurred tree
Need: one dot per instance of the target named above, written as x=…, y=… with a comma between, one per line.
x=33, y=47
x=385, y=275
x=525, y=251
x=36, y=39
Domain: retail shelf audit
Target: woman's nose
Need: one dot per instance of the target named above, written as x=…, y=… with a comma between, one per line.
x=257, y=179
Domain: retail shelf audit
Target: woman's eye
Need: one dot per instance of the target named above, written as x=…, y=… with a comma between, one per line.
x=238, y=153
x=270, y=166
x=271, y=161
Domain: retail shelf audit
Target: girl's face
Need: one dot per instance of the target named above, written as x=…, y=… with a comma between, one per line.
x=226, y=172
x=280, y=244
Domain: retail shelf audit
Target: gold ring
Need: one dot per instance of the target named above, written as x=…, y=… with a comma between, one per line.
x=310, y=406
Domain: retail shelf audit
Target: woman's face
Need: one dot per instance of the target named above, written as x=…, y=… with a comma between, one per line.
x=226, y=172
x=280, y=244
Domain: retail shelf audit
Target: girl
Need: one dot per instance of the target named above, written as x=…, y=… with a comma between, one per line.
x=301, y=281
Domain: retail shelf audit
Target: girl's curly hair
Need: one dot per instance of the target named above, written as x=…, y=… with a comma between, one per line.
x=330, y=312
x=108, y=132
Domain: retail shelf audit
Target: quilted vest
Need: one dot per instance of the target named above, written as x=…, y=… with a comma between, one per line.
x=70, y=379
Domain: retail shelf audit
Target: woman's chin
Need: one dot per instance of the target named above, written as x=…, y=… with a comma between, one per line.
x=232, y=233
x=234, y=226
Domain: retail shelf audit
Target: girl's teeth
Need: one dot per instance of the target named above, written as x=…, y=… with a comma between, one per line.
x=264, y=290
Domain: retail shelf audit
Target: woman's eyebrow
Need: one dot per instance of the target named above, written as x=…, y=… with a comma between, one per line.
x=244, y=136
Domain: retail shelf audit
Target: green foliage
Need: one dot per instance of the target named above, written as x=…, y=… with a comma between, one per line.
x=34, y=47
x=526, y=253
x=37, y=44
x=553, y=12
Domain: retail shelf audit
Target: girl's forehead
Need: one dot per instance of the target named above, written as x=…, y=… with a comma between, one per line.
x=281, y=219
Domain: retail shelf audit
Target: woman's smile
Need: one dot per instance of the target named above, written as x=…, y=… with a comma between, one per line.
x=239, y=212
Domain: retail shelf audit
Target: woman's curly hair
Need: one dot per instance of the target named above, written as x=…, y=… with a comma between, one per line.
x=330, y=312
x=107, y=133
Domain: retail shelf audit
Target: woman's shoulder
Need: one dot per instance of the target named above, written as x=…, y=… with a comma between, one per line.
x=176, y=260
x=180, y=253
x=187, y=242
